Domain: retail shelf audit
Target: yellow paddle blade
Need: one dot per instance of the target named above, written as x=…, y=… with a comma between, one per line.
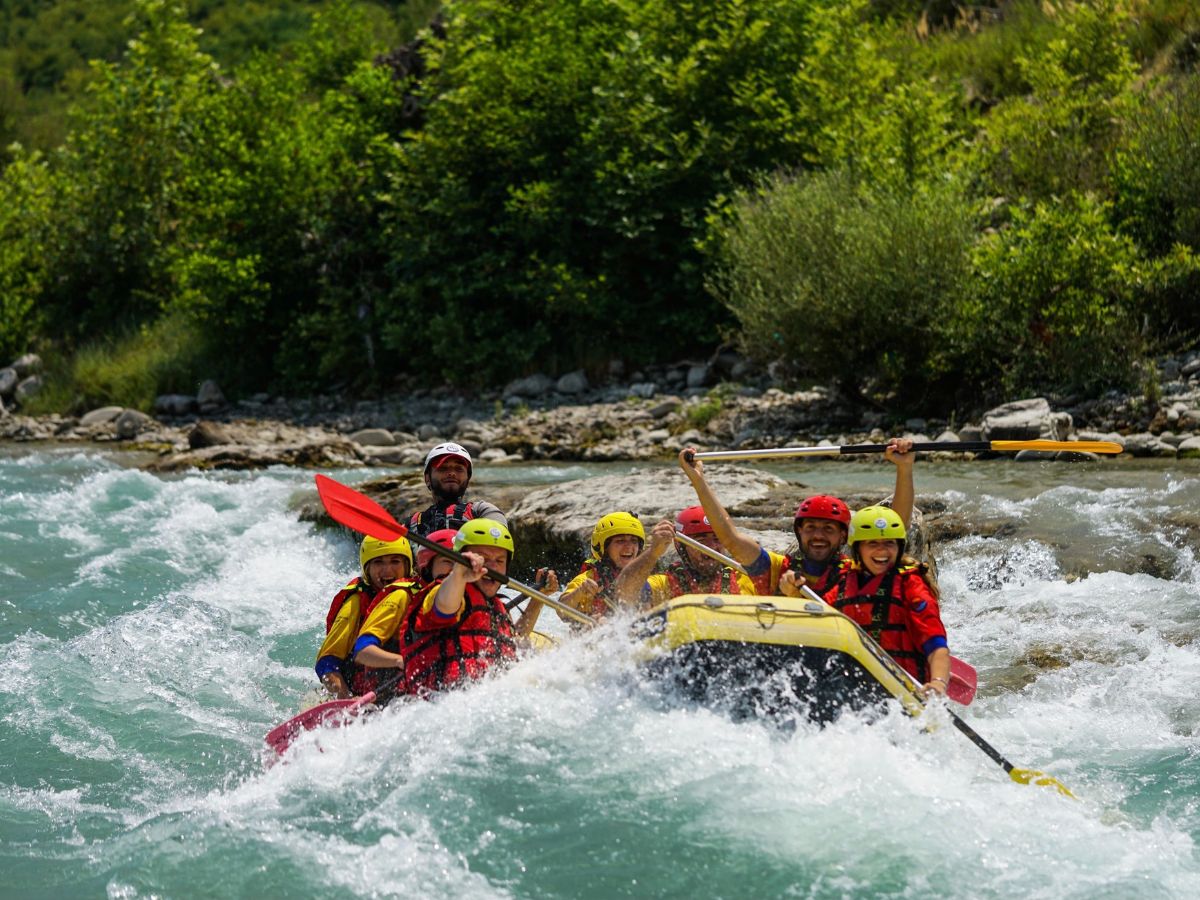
x=1029, y=776
x=1069, y=446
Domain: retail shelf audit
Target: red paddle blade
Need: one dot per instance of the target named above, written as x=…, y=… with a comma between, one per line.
x=333, y=713
x=362, y=514
x=963, y=682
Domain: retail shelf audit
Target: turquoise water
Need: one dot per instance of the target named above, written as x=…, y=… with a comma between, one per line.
x=153, y=629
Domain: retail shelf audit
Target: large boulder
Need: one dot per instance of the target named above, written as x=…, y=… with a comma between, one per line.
x=373, y=437
x=210, y=397
x=207, y=434
x=1025, y=420
x=100, y=416
x=572, y=383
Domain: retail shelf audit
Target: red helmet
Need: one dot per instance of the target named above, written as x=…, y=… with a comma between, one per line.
x=443, y=538
x=692, y=521
x=823, y=506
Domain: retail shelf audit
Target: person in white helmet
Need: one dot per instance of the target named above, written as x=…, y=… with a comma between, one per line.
x=447, y=474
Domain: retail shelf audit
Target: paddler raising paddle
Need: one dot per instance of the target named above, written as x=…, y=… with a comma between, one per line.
x=821, y=526
x=693, y=572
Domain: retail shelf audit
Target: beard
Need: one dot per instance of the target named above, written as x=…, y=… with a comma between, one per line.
x=444, y=496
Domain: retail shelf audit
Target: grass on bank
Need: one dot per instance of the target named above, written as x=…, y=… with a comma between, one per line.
x=129, y=370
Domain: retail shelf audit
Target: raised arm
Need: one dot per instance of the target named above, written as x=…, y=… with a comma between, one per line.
x=741, y=547
x=632, y=579
x=899, y=451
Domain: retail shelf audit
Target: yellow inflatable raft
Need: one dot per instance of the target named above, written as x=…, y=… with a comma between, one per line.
x=769, y=656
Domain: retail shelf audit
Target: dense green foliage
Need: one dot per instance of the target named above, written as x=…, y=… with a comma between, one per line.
x=933, y=207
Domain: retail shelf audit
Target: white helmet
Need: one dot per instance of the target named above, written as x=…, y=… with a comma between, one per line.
x=448, y=449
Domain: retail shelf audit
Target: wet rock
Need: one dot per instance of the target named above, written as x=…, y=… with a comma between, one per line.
x=1189, y=449
x=8, y=381
x=101, y=416
x=321, y=454
x=1147, y=445
x=373, y=437
x=130, y=423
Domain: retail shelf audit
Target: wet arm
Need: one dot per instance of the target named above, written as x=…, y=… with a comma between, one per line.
x=744, y=549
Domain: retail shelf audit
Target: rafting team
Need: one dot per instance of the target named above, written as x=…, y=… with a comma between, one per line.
x=418, y=625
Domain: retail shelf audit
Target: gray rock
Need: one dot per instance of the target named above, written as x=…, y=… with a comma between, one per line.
x=210, y=397
x=130, y=423
x=1025, y=420
x=3, y=409
x=728, y=362
x=100, y=416
x=916, y=425
x=27, y=364
x=948, y=437
x=1035, y=456
x=471, y=446
x=664, y=408
x=656, y=436
x=8, y=381
x=1169, y=370
x=1191, y=368
x=207, y=434
x=572, y=383
x=970, y=433
x=1147, y=445
x=532, y=386
x=1101, y=436
x=393, y=456
x=698, y=376
x=174, y=404
x=373, y=437
x=644, y=389
x=1189, y=448
x=427, y=432
x=493, y=455
x=28, y=387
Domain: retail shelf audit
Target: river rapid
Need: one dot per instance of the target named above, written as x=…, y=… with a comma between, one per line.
x=152, y=629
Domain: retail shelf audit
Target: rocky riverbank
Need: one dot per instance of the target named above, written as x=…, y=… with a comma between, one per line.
x=648, y=415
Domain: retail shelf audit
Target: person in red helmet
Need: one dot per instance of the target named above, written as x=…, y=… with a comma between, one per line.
x=448, y=469
x=692, y=573
x=821, y=526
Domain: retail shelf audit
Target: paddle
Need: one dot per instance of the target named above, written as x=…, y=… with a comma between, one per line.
x=956, y=446
x=362, y=514
x=333, y=713
x=963, y=679
x=1021, y=776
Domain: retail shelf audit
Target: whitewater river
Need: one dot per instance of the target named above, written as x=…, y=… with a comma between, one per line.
x=153, y=629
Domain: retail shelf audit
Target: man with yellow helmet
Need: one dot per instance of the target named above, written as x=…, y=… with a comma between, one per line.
x=383, y=563
x=888, y=594
x=617, y=538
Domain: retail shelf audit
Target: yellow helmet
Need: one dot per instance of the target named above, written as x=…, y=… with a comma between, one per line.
x=876, y=523
x=610, y=526
x=373, y=548
x=484, y=533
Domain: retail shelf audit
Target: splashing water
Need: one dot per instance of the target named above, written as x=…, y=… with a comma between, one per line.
x=152, y=630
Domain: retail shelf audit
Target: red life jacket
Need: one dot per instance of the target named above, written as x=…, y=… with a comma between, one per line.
x=683, y=579
x=435, y=518
x=358, y=586
x=367, y=678
x=437, y=659
x=883, y=613
x=829, y=578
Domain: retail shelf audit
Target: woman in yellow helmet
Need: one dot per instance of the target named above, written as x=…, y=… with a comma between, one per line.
x=888, y=594
x=383, y=562
x=616, y=540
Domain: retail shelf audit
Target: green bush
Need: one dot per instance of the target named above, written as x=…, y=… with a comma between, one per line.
x=1056, y=308
x=1057, y=139
x=1156, y=176
x=850, y=283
